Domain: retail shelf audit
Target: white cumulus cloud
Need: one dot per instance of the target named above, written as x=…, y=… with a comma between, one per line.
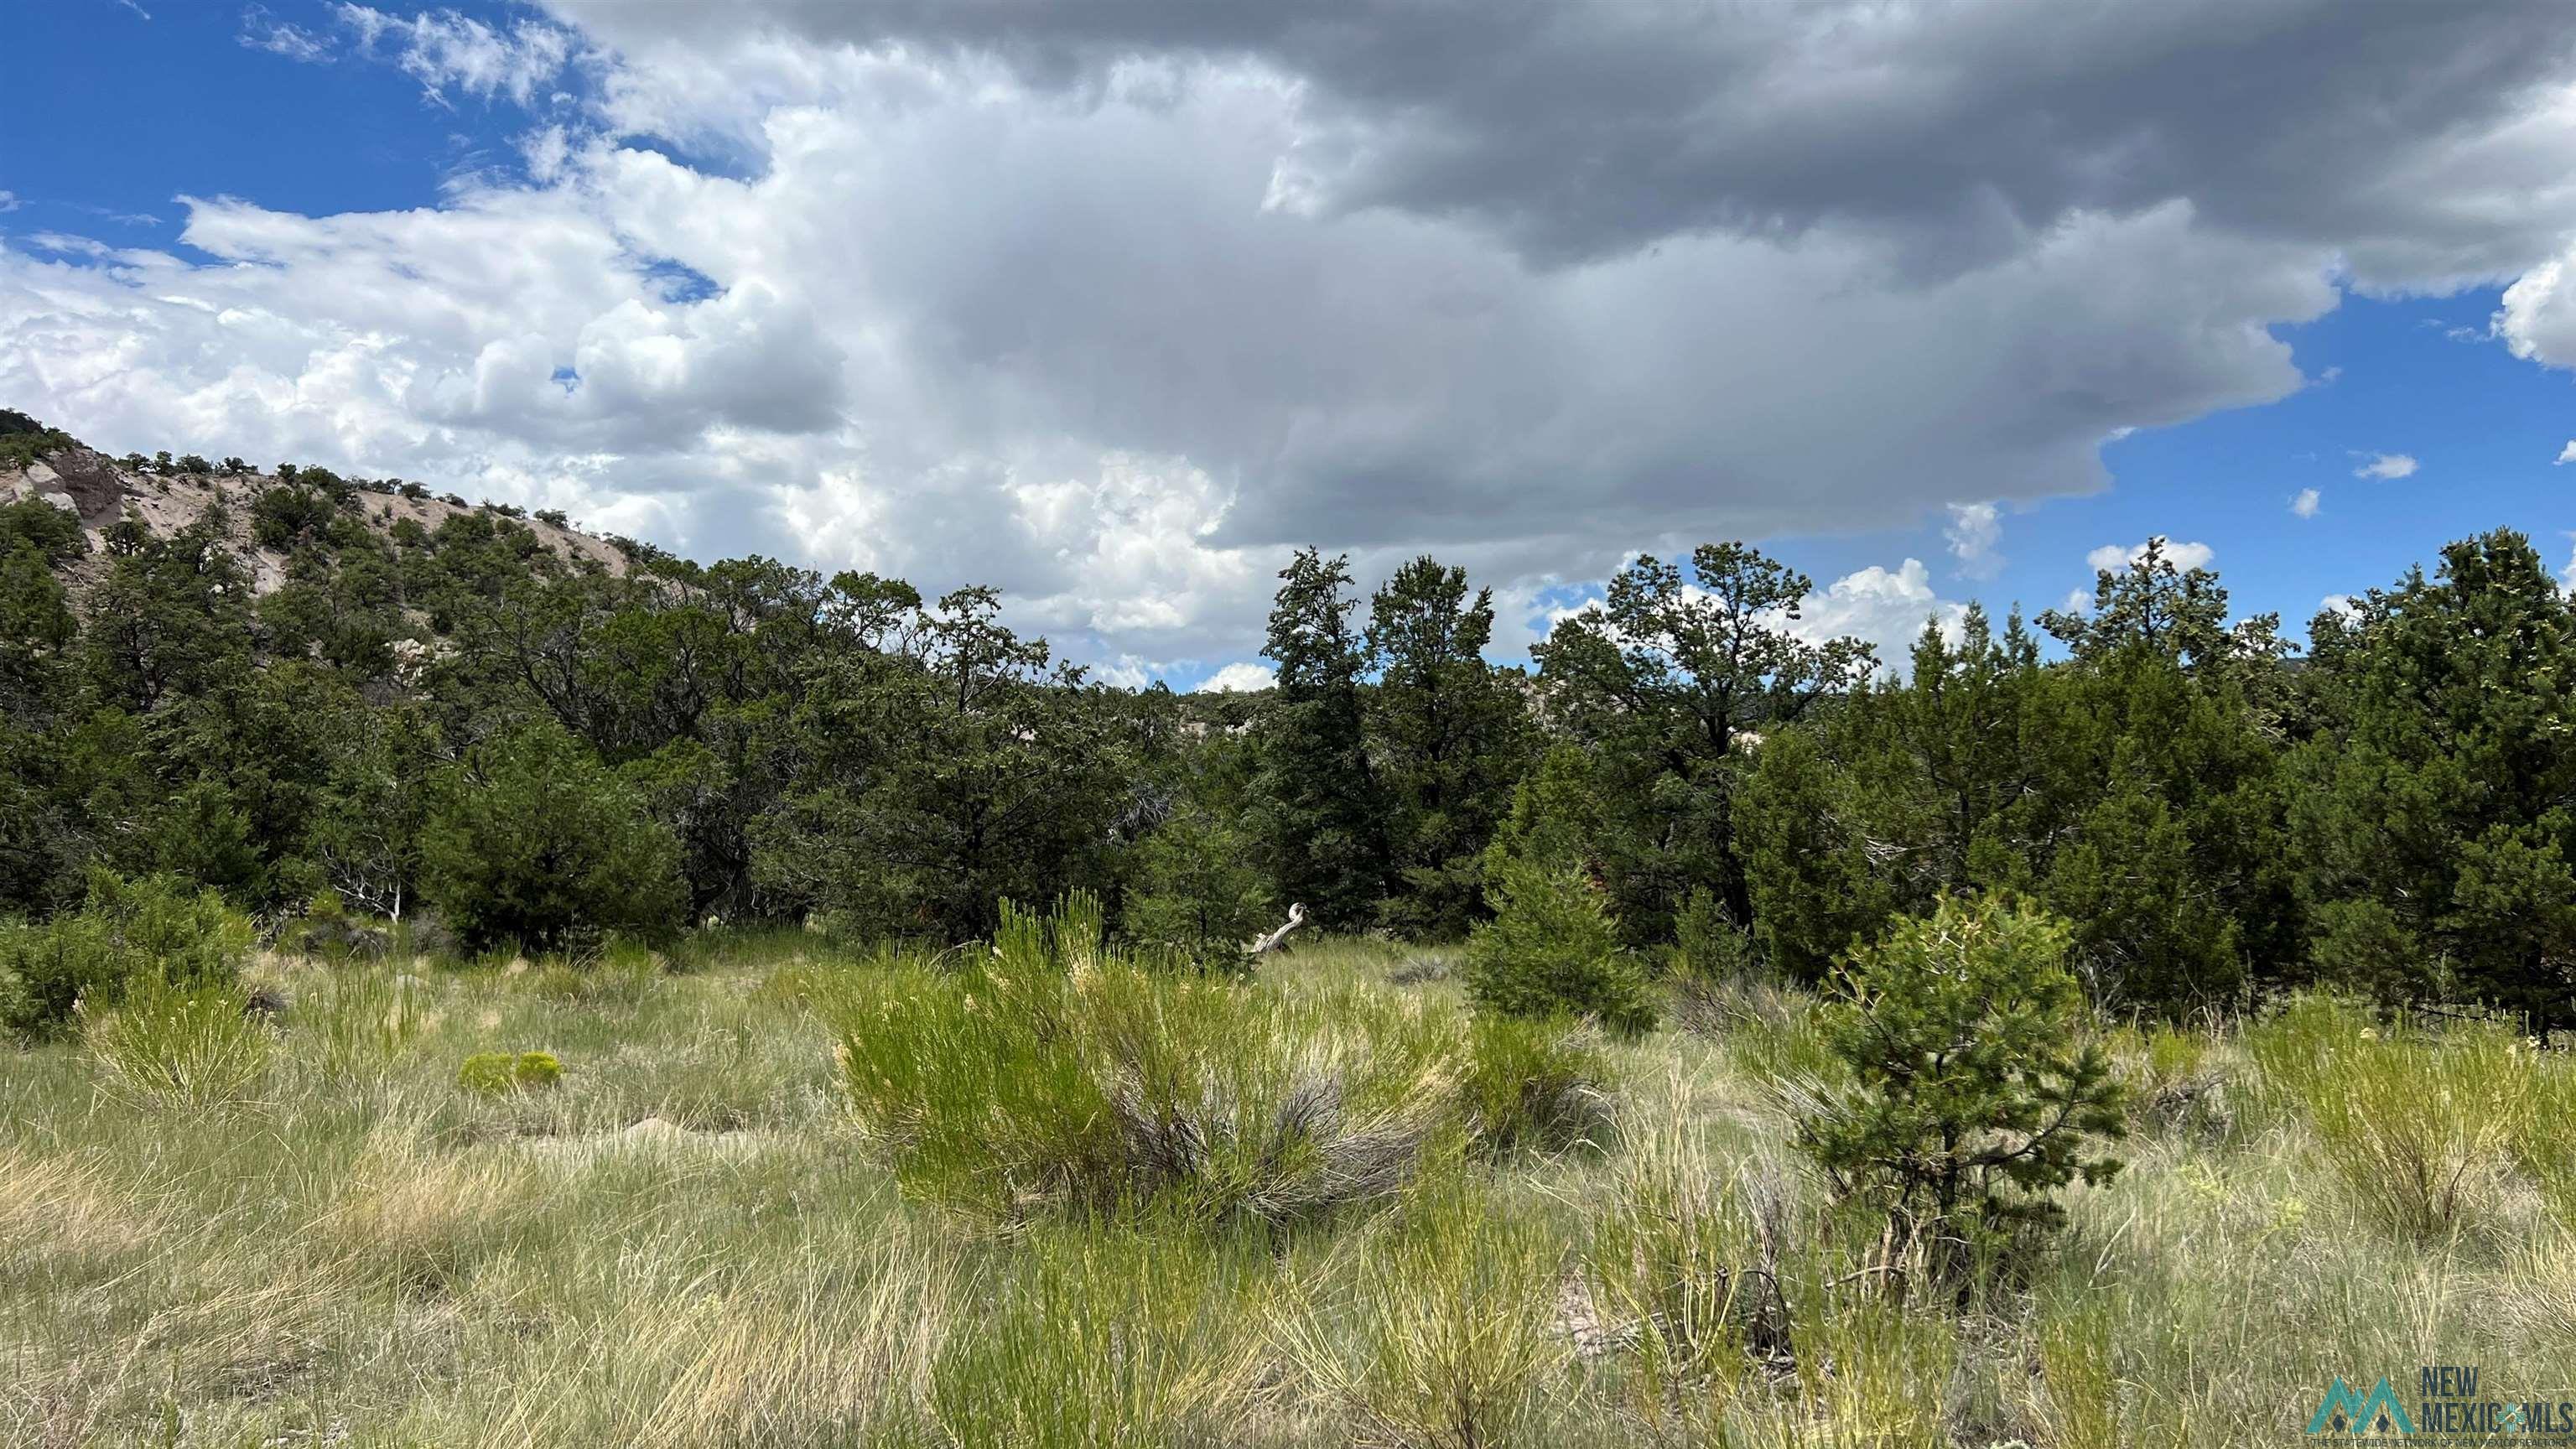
x=2306, y=503
x=1975, y=534
x=1884, y=608
x=2112, y=557
x=2386, y=465
x=1239, y=677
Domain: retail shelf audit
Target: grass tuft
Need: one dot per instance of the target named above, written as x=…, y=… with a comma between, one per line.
x=2417, y=1125
x=1444, y=1332
x=185, y=1048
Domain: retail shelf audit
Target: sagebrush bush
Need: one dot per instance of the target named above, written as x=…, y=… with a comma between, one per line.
x=126, y=933
x=1974, y=1094
x=191, y=1047
x=1552, y=950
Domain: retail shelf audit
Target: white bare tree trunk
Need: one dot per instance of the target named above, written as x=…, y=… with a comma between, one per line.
x=1296, y=918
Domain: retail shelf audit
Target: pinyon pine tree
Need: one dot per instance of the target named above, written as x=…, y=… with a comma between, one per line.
x=1316, y=807
x=1974, y=1095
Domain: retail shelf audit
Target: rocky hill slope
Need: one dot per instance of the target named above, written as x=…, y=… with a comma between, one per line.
x=168, y=498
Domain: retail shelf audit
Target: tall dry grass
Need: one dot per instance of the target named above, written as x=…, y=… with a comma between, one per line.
x=705, y=1235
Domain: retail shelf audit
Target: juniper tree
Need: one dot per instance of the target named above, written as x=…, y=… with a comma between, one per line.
x=2434, y=823
x=1196, y=892
x=531, y=840
x=2158, y=769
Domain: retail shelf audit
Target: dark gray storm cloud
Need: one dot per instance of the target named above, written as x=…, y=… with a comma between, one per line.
x=2379, y=127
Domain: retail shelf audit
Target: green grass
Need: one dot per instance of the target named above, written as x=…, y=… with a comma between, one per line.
x=188, y=1049
x=701, y=1236
x=1050, y=1076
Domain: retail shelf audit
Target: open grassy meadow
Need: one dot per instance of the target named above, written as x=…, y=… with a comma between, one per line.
x=785, y=1193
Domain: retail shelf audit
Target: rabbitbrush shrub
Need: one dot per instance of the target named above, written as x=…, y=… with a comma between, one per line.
x=1049, y=1074
x=492, y=1073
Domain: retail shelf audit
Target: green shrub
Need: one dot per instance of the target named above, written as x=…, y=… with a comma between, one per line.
x=1048, y=1075
x=1553, y=950
x=1196, y=892
x=1973, y=1095
x=53, y=533
x=491, y=1074
x=330, y=930
x=193, y=1046
x=23, y=440
x=485, y=1073
x=127, y=932
x=1707, y=947
x=288, y=514
x=530, y=840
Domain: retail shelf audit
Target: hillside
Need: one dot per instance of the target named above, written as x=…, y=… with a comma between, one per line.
x=101, y=491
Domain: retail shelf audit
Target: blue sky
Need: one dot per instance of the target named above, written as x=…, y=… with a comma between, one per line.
x=1112, y=312
x=2417, y=378
x=134, y=107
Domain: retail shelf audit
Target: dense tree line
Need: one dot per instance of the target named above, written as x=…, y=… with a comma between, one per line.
x=539, y=750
